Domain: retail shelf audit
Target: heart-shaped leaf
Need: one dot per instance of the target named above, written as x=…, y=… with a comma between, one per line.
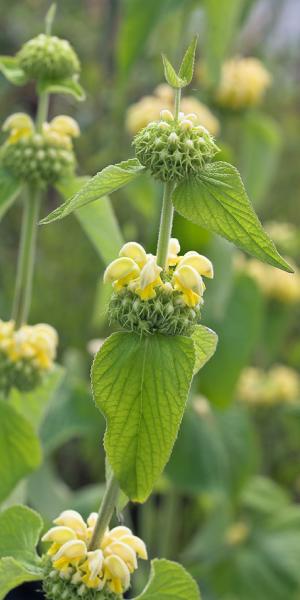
x=169, y=581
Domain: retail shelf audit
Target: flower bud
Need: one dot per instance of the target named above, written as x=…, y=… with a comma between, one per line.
x=48, y=58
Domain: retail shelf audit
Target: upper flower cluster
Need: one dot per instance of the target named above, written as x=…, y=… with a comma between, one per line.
x=173, y=149
x=109, y=566
x=25, y=354
x=243, y=83
x=274, y=283
x=280, y=384
x=148, y=299
x=48, y=57
x=148, y=109
x=39, y=157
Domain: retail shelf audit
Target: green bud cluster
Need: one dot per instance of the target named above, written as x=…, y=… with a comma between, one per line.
x=48, y=57
x=174, y=149
x=39, y=159
x=166, y=313
x=56, y=587
x=23, y=375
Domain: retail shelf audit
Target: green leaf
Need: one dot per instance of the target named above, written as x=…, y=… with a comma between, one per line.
x=97, y=220
x=19, y=448
x=9, y=67
x=217, y=200
x=32, y=405
x=13, y=573
x=222, y=21
x=9, y=190
x=20, y=529
x=186, y=70
x=141, y=386
x=205, y=343
x=70, y=86
x=262, y=495
x=108, y=180
x=169, y=581
x=171, y=76
x=238, y=335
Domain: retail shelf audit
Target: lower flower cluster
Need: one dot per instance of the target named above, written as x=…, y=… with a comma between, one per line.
x=39, y=157
x=26, y=355
x=147, y=299
x=280, y=385
x=73, y=570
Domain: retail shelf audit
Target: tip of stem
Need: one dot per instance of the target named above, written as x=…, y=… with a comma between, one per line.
x=50, y=16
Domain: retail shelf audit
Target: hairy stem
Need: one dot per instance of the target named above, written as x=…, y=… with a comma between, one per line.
x=42, y=111
x=105, y=512
x=177, y=103
x=166, y=223
x=23, y=288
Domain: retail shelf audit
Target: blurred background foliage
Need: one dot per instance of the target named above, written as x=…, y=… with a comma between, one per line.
x=234, y=476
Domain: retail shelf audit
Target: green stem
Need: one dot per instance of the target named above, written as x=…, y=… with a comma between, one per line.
x=26, y=258
x=166, y=223
x=42, y=111
x=177, y=103
x=105, y=512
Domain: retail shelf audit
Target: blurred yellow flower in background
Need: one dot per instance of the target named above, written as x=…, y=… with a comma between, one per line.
x=279, y=385
x=149, y=107
x=274, y=283
x=243, y=83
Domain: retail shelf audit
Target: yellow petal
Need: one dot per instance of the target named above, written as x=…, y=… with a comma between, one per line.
x=74, y=549
x=201, y=263
x=125, y=552
x=95, y=563
x=92, y=519
x=65, y=125
x=117, y=568
x=173, y=250
x=187, y=278
x=135, y=251
x=119, y=531
x=18, y=121
x=59, y=534
x=121, y=268
x=137, y=544
x=72, y=519
x=150, y=273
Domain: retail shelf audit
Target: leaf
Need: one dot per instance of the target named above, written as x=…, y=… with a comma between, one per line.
x=186, y=70
x=106, y=181
x=9, y=67
x=170, y=74
x=262, y=495
x=217, y=200
x=141, y=386
x=32, y=405
x=238, y=335
x=97, y=220
x=9, y=190
x=169, y=581
x=13, y=573
x=20, y=529
x=70, y=87
x=222, y=21
x=19, y=448
x=205, y=343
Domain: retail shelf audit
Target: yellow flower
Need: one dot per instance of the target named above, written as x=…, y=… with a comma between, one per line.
x=149, y=279
x=199, y=262
x=149, y=108
x=243, y=83
x=174, y=249
x=188, y=281
x=69, y=555
x=120, y=272
x=134, y=251
x=109, y=565
x=19, y=126
x=274, y=283
x=65, y=125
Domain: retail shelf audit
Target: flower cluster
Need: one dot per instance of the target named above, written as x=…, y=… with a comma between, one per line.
x=279, y=385
x=243, y=83
x=75, y=570
x=48, y=57
x=174, y=149
x=147, y=299
x=148, y=109
x=39, y=157
x=274, y=283
x=26, y=354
